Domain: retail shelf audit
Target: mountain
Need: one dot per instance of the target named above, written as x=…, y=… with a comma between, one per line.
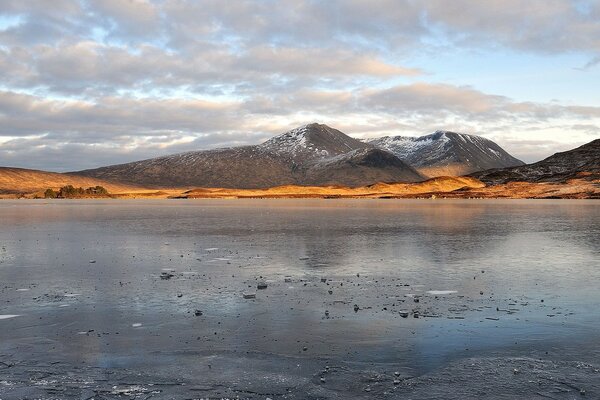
x=323, y=155
x=582, y=162
x=20, y=180
x=447, y=153
x=313, y=154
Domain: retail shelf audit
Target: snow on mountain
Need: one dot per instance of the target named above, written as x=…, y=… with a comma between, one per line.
x=312, y=141
x=447, y=153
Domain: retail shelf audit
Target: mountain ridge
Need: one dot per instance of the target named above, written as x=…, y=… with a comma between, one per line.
x=580, y=162
x=312, y=154
x=447, y=153
x=571, y=174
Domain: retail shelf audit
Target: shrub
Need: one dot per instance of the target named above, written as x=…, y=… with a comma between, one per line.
x=50, y=194
x=69, y=192
x=97, y=190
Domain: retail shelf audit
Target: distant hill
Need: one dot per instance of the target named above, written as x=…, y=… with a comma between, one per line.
x=20, y=180
x=313, y=154
x=582, y=162
x=445, y=153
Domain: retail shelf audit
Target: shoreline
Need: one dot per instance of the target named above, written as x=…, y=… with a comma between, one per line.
x=435, y=188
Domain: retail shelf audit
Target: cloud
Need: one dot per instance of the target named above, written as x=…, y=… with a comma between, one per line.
x=130, y=17
x=591, y=63
x=539, y=25
x=428, y=98
x=142, y=126
x=91, y=68
x=108, y=81
x=23, y=115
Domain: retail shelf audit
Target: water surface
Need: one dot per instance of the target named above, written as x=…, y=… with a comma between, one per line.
x=81, y=284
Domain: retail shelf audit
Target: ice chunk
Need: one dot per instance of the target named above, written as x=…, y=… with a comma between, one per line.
x=440, y=292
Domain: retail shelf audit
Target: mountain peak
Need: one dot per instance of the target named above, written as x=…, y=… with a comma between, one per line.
x=451, y=135
x=314, y=140
x=443, y=133
x=306, y=132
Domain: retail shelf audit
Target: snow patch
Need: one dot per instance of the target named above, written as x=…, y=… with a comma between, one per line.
x=293, y=141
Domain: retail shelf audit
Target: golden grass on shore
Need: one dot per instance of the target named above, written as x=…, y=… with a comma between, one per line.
x=378, y=190
x=440, y=187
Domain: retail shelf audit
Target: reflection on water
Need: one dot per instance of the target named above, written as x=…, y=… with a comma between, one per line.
x=500, y=274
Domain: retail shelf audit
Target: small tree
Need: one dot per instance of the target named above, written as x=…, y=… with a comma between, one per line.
x=50, y=194
x=100, y=190
x=69, y=191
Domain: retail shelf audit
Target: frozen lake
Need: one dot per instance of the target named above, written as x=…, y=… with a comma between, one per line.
x=374, y=298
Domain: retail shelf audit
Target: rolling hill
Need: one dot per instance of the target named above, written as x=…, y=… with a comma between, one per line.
x=20, y=180
x=580, y=163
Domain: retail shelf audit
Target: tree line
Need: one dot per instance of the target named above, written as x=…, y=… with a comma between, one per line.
x=70, y=192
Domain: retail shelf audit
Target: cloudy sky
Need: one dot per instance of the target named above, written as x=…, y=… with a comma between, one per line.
x=91, y=83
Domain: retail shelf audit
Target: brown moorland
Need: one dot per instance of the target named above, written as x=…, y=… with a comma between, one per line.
x=16, y=182
x=440, y=187
x=20, y=181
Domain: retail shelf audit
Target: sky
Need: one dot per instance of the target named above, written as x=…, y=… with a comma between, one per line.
x=91, y=83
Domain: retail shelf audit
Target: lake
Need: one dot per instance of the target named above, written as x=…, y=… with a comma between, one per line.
x=364, y=298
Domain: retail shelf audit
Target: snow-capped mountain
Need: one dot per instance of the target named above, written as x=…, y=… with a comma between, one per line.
x=313, y=154
x=313, y=141
x=447, y=153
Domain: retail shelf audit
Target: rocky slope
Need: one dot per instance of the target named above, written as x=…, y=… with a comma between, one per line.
x=580, y=163
x=446, y=153
x=314, y=154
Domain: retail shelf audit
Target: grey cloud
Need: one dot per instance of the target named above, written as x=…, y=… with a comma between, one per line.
x=152, y=126
x=592, y=63
x=104, y=81
x=587, y=129
x=139, y=18
x=536, y=150
x=422, y=100
x=42, y=7
x=291, y=22
x=428, y=98
x=23, y=115
x=536, y=25
x=62, y=157
x=390, y=25
x=42, y=21
x=88, y=67
x=258, y=45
